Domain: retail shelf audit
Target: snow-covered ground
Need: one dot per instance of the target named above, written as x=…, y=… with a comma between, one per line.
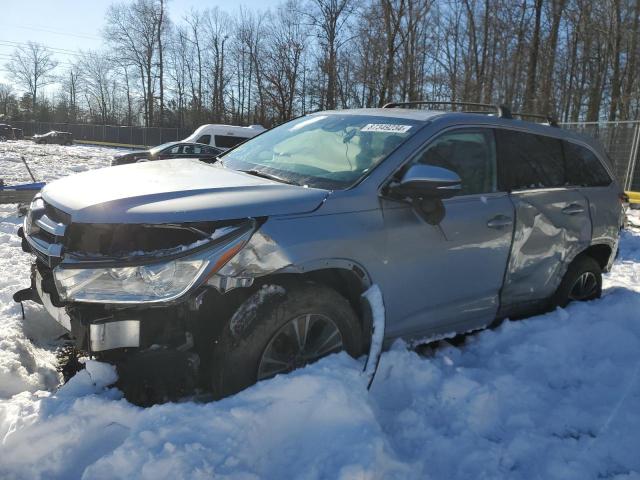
x=48, y=162
x=554, y=396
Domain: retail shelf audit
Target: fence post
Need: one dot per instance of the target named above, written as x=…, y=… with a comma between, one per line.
x=633, y=157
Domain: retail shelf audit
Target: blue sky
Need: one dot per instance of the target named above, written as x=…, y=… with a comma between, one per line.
x=69, y=25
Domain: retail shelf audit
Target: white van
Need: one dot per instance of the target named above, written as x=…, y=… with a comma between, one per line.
x=224, y=136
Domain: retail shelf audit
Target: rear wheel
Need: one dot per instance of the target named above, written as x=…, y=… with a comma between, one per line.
x=582, y=282
x=277, y=330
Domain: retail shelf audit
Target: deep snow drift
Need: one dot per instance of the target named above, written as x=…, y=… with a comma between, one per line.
x=554, y=396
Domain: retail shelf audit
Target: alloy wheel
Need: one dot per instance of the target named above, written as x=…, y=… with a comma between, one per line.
x=585, y=287
x=299, y=342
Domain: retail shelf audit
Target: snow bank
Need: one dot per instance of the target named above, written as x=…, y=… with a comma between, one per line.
x=555, y=396
x=24, y=364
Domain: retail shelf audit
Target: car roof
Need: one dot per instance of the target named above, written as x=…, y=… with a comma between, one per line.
x=464, y=118
x=408, y=113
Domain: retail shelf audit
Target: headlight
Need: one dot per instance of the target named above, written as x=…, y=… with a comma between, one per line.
x=145, y=283
x=149, y=283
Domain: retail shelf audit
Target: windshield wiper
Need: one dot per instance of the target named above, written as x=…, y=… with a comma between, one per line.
x=259, y=173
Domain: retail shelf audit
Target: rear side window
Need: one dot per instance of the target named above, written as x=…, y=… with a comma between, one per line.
x=227, y=141
x=204, y=139
x=583, y=167
x=530, y=161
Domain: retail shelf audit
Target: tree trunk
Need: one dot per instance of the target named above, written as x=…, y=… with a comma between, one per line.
x=529, y=92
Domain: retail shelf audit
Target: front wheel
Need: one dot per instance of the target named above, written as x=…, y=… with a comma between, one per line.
x=582, y=282
x=279, y=329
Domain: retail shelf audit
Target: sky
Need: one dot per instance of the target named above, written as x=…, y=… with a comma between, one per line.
x=66, y=26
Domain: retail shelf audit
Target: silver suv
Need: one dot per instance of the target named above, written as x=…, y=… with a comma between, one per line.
x=189, y=274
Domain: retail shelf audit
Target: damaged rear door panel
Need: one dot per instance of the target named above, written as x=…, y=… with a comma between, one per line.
x=551, y=228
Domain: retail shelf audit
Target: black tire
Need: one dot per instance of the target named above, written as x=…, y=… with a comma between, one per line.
x=582, y=282
x=263, y=319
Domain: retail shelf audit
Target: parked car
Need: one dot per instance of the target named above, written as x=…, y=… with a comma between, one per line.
x=60, y=138
x=224, y=274
x=169, y=150
x=224, y=136
x=17, y=133
x=6, y=133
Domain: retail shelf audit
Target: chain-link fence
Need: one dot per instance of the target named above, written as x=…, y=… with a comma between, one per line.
x=622, y=141
x=138, y=136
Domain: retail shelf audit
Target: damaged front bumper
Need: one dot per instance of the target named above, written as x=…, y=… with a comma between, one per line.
x=94, y=331
x=110, y=300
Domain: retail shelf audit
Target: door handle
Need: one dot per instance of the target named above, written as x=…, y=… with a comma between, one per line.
x=573, y=209
x=500, y=221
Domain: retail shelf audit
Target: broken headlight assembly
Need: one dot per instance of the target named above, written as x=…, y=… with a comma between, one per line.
x=150, y=281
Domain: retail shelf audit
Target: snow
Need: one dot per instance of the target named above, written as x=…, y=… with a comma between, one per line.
x=247, y=312
x=376, y=303
x=48, y=162
x=554, y=396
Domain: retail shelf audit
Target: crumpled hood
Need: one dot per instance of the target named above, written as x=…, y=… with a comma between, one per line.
x=175, y=191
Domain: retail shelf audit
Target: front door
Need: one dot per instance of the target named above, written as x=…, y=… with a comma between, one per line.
x=449, y=274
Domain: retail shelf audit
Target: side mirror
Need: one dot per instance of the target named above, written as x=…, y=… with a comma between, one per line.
x=427, y=181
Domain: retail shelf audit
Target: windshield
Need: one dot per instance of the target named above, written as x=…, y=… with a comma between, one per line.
x=323, y=151
x=159, y=148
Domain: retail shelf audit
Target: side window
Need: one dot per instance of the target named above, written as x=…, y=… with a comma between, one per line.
x=583, y=167
x=530, y=161
x=469, y=153
x=204, y=139
x=174, y=150
x=227, y=141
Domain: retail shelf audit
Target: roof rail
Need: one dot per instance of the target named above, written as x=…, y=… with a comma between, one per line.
x=501, y=110
x=549, y=119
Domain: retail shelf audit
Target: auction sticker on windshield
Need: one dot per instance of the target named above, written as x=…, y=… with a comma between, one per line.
x=385, y=127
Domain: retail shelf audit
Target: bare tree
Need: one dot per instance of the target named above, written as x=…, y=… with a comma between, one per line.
x=7, y=96
x=132, y=33
x=32, y=67
x=283, y=58
x=97, y=80
x=329, y=17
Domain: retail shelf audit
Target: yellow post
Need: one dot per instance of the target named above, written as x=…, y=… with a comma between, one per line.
x=634, y=197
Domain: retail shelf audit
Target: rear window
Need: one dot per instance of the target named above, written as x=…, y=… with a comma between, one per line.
x=227, y=141
x=583, y=167
x=530, y=161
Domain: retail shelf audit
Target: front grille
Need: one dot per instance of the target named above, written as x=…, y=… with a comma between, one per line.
x=44, y=229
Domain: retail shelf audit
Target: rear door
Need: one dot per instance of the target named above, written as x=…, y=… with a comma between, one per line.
x=552, y=218
x=448, y=270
